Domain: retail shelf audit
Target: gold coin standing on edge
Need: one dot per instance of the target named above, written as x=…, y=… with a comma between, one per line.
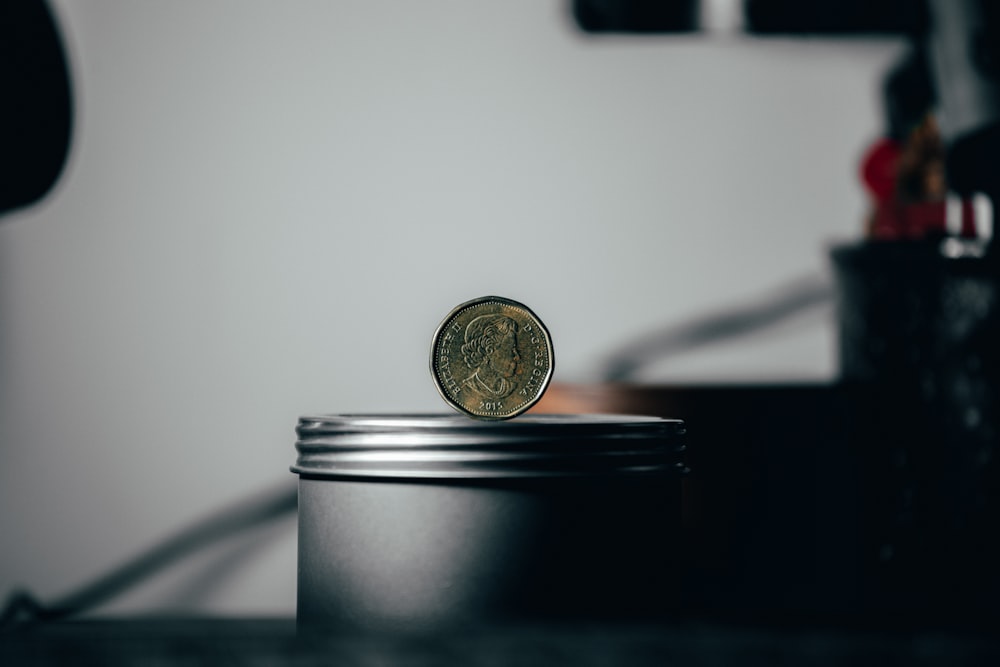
x=491, y=358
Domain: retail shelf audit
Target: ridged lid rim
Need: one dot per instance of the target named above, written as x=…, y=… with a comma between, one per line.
x=450, y=446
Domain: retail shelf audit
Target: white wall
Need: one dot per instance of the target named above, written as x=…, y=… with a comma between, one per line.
x=270, y=205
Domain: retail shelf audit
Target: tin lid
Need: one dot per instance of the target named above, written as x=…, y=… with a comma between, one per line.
x=454, y=446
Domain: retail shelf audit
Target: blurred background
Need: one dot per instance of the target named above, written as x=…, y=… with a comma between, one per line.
x=268, y=207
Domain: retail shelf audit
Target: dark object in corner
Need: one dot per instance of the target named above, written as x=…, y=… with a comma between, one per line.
x=836, y=17
x=36, y=114
x=785, y=17
x=639, y=16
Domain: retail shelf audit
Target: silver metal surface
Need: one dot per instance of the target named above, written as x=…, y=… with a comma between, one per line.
x=453, y=446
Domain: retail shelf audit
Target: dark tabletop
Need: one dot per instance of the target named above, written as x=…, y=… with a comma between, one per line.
x=215, y=641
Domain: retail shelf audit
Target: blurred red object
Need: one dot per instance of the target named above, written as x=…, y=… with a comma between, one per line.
x=879, y=167
x=895, y=221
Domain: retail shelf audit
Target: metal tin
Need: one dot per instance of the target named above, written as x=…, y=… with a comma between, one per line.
x=426, y=522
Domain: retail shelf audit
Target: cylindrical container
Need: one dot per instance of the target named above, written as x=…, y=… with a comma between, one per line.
x=919, y=328
x=417, y=523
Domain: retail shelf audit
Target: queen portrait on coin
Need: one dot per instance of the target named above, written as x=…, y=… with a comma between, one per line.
x=490, y=350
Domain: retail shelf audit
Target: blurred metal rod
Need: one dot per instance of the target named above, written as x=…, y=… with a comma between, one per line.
x=794, y=298
x=259, y=509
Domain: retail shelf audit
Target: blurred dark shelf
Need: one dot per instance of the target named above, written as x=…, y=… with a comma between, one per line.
x=219, y=641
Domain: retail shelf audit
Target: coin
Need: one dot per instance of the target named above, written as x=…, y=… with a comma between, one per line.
x=491, y=358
